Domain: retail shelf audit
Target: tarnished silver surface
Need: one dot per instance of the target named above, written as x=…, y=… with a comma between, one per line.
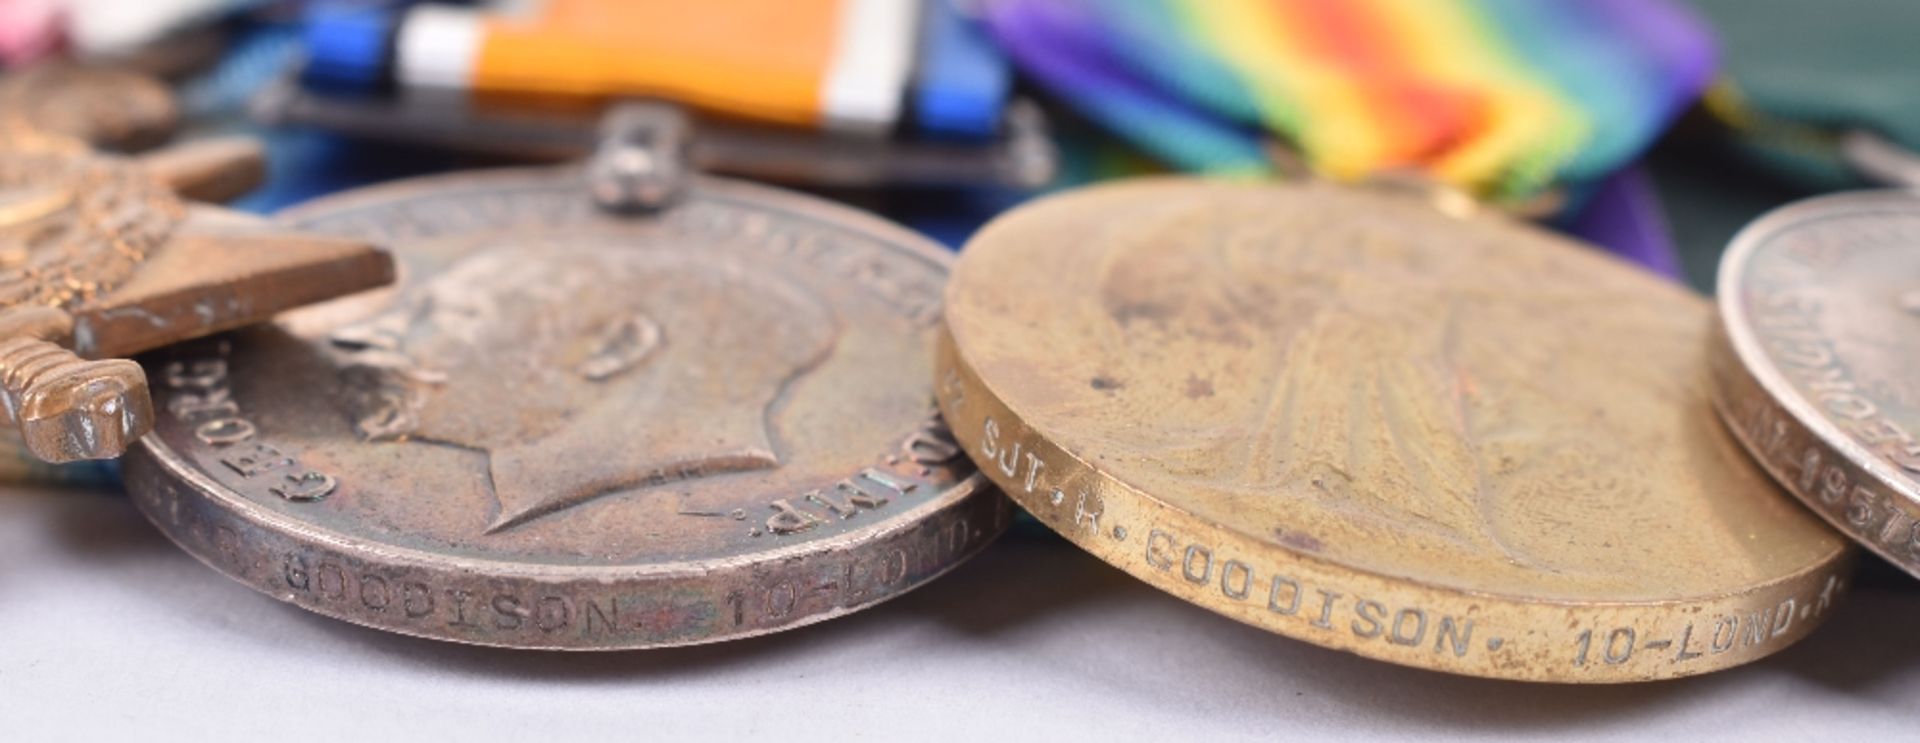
x=1815, y=361
x=566, y=428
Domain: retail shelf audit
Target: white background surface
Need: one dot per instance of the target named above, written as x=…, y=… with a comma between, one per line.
x=107, y=630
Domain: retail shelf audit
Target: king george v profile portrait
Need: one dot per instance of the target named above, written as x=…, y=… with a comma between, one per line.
x=581, y=371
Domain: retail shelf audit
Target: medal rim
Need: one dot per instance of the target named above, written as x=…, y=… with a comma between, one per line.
x=1527, y=617
x=155, y=468
x=1743, y=367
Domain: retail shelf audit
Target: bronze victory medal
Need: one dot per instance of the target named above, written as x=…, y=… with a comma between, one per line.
x=1342, y=416
x=571, y=429
x=1814, y=367
x=100, y=256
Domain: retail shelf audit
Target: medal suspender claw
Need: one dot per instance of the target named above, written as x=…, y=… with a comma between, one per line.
x=641, y=162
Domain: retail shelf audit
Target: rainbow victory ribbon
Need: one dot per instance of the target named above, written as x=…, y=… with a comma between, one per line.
x=1503, y=98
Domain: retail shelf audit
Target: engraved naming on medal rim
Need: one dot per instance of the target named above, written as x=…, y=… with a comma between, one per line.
x=1243, y=579
x=570, y=429
x=1820, y=305
x=1345, y=417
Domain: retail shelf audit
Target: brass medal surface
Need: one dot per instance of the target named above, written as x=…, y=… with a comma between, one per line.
x=1453, y=443
x=1814, y=367
x=565, y=428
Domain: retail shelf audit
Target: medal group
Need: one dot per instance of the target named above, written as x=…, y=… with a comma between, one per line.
x=620, y=404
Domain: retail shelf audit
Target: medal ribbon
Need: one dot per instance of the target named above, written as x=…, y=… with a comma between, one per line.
x=1504, y=98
